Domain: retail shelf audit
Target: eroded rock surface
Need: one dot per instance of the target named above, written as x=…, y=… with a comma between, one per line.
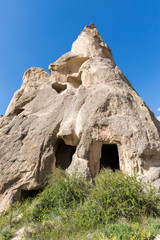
x=85, y=115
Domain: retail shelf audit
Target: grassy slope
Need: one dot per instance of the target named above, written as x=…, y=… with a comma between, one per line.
x=116, y=206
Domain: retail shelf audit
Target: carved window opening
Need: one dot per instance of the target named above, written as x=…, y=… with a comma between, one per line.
x=59, y=87
x=109, y=157
x=29, y=194
x=17, y=111
x=64, y=154
x=75, y=81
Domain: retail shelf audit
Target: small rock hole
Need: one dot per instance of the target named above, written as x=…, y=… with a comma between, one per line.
x=59, y=87
x=17, y=111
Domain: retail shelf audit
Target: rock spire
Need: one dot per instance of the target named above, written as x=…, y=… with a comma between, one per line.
x=85, y=115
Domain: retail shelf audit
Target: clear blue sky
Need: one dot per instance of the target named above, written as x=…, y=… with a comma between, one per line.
x=37, y=32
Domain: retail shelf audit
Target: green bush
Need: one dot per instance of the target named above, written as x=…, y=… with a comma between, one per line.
x=6, y=235
x=116, y=206
x=62, y=192
x=126, y=231
x=115, y=196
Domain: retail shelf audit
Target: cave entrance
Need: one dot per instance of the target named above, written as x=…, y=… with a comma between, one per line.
x=109, y=157
x=29, y=194
x=64, y=154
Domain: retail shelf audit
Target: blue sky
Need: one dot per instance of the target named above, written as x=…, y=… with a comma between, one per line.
x=37, y=32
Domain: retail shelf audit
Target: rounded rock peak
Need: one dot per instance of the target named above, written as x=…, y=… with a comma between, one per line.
x=90, y=44
x=34, y=73
x=93, y=30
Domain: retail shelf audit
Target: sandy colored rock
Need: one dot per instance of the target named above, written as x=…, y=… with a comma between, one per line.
x=157, y=237
x=20, y=234
x=85, y=116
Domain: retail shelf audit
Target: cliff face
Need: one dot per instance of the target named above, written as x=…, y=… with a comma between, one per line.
x=85, y=115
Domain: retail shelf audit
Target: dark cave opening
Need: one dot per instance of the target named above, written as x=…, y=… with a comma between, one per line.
x=64, y=154
x=109, y=157
x=29, y=194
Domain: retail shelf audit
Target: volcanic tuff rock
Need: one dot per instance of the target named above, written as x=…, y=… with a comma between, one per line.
x=85, y=115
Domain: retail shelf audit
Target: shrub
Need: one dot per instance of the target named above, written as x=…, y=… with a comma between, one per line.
x=126, y=231
x=62, y=192
x=116, y=195
x=70, y=207
x=6, y=235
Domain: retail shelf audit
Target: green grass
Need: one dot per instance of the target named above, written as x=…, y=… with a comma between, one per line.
x=116, y=206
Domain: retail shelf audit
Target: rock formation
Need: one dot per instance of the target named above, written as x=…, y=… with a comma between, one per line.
x=85, y=116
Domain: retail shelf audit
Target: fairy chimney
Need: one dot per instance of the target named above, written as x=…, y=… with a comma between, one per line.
x=85, y=115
